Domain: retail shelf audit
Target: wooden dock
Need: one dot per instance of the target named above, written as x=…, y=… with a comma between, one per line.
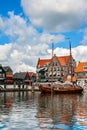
x=12, y=88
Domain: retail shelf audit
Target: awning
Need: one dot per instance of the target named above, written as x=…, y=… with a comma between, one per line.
x=45, y=68
x=41, y=69
x=44, y=80
x=28, y=80
x=51, y=80
x=56, y=79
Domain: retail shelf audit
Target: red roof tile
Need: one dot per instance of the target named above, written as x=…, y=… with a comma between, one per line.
x=80, y=67
x=30, y=74
x=42, y=62
x=62, y=59
x=9, y=75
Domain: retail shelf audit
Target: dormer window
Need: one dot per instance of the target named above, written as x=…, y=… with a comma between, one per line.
x=84, y=67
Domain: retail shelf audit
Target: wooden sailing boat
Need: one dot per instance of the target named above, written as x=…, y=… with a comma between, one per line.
x=61, y=87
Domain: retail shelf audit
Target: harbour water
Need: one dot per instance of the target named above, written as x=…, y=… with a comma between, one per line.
x=34, y=111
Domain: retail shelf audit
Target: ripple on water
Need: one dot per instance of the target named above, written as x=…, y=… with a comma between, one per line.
x=29, y=111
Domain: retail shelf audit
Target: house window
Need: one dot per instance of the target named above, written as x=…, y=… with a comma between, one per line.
x=54, y=69
x=58, y=73
x=62, y=68
x=84, y=67
x=55, y=63
x=62, y=74
x=50, y=73
x=3, y=75
x=58, y=68
x=50, y=69
x=0, y=75
x=0, y=70
x=46, y=74
x=54, y=73
x=85, y=74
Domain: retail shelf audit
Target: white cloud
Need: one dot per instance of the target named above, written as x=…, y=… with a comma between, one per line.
x=27, y=44
x=4, y=51
x=48, y=38
x=84, y=41
x=61, y=51
x=22, y=67
x=56, y=15
x=79, y=53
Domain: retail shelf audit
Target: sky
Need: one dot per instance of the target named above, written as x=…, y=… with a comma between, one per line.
x=29, y=27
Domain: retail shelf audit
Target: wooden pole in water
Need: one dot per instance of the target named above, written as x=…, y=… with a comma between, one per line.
x=52, y=67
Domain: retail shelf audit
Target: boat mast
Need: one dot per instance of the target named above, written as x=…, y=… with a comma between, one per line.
x=52, y=66
x=52, y=99
x=70, y=60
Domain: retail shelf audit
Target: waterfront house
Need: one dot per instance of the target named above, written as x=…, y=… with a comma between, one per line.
x=2, y=74
x=8, y=74
x=24, y=78
x=19, y=77
x=81, y=73
x=61, y=68
x=30, y=78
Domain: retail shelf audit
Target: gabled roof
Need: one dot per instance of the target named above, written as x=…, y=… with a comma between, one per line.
x=7, y=69
x=42, y=62
x=3, y=71
x=80, y=67
x=20, y=75
x=31, y=74
x=62, y=59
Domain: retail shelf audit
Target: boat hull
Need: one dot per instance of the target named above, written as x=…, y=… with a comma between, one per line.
x=60, y=90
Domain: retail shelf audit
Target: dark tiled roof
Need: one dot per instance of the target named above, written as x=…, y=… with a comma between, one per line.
x=20, y=75
x=7, y=68
x=31, y=74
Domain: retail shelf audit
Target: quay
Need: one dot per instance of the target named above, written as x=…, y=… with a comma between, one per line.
x=12, y=88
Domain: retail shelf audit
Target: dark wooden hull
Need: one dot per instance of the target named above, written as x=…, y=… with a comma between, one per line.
x=59, y=90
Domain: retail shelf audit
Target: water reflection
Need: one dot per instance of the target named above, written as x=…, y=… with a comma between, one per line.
x=34, y=111
x=63, y=112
